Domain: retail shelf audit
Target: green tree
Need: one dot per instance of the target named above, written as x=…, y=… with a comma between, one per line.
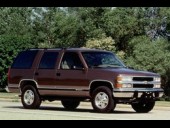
x=55, y=27
x=15, y=20
x=90, y=20
x=10, y=46
x=103, y=43
x=16, y=34
x=150, y=55
x=122, y=24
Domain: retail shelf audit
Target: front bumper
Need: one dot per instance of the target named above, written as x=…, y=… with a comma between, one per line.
x=137, y=92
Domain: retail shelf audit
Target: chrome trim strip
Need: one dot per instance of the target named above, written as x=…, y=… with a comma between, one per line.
x=69, y=89
x=138, y=90
x=82, y=89
x=13, y=85
x=56, y=89
x=138, y=76
x=139, y=82
x=48, y=88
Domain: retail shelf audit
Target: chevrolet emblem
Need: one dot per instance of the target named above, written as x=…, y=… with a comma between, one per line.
x=145, y=82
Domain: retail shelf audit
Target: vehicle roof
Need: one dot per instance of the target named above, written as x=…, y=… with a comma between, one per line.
x=72, y=49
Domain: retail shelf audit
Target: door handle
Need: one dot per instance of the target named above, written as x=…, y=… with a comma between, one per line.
x=36, y=73
x=58, y=74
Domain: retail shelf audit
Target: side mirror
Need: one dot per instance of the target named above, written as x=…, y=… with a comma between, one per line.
x=130, y=67
x=79, y=68
x=85, y=69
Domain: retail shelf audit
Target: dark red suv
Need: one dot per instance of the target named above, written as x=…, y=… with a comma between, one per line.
x=76, y=74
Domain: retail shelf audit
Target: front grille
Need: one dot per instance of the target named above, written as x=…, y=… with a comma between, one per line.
x=142, y=78
x=143, y=85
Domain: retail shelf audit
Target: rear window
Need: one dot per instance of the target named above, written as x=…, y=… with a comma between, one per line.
x=48, y=60
x=24, y=60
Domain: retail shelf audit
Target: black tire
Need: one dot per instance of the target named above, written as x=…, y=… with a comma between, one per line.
x=70, y=104
x=107, y=101
x=143, y=107
x=30, y=97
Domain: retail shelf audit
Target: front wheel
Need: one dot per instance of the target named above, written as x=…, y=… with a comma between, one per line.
x=143, y=107
x=102, y=100
x=30, y=98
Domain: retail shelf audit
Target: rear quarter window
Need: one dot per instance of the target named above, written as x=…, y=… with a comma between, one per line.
x=24, y=60
x=48, y=60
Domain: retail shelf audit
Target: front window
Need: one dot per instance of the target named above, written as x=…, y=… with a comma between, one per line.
x=71, y=61
x=101, y=60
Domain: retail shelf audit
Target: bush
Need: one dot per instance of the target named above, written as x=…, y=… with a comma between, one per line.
x=10, y=46
x=164, y=98
x=103, y=43
x=2, y=90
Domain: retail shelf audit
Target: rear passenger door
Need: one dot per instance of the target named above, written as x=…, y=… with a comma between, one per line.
x=45, y=74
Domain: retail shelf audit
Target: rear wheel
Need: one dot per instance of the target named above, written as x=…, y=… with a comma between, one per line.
x=102, y=100
x=143, y=107
x=30, y=98
x=70, y=104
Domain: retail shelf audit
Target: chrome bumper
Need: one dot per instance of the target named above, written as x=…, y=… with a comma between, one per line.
x=137, y=92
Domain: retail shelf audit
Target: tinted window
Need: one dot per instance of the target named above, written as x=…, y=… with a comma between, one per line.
x=48, y=60
x=24, y=60
x=71, y=60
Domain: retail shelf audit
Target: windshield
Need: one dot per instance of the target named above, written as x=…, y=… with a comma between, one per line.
x=101, y=60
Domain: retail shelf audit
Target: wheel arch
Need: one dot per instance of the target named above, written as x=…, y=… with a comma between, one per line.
x=97, y=83
x=31, y=82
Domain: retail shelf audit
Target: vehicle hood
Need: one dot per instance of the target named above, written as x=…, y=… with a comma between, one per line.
x=132, y=72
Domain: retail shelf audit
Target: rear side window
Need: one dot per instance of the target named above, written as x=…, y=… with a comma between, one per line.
x=48, y=60
x=24, y=60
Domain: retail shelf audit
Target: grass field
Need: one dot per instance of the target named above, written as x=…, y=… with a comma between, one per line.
x=163, y=103
x=8, y=95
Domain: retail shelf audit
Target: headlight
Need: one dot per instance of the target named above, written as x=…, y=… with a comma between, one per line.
x=124, y=78
x=157, y=79
x=124, y=82
x=127, y=86
x=158, y=82
x=157, y=86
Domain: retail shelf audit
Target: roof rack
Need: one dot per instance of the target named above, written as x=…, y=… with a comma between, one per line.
x=68, y=48
x=45, y=48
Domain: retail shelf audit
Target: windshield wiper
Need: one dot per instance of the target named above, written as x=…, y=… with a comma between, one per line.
x=96, y=67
